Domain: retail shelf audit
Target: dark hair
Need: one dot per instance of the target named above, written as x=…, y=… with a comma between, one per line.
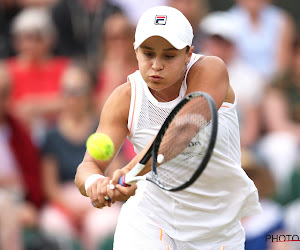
x=187, y=49
x=296, y=43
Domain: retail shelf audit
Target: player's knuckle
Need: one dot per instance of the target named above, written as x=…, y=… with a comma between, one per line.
x=98, y=189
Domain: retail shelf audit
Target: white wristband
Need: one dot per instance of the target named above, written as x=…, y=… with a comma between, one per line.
x=91, y=179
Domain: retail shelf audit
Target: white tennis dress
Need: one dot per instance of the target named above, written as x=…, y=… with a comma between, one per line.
x=205, y=215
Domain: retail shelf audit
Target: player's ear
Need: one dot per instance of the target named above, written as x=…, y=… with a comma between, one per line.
x=135, y=50
x=190, y=53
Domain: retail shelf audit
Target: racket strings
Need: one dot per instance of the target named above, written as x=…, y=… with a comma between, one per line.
x=184, y=143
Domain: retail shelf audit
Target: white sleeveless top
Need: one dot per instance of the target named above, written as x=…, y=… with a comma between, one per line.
x=221, y=195
x=258, y=46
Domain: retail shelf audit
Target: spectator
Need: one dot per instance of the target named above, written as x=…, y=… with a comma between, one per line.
x=19, y=166
x=271, y=221
x=8, y=10
x=281, y=112
x=284, y=92
x=220, y=40
x=35, y=72
x=68, y=215
x=194, y=10
x=264, y=36
x=118, y=58
x=79, y=24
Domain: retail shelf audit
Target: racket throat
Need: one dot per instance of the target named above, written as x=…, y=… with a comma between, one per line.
x=132, y=177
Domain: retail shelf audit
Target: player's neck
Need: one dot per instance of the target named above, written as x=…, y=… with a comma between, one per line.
x=164, y=95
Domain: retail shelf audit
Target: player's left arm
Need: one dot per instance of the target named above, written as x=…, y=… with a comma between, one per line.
x=209, y=74
x=113, y=122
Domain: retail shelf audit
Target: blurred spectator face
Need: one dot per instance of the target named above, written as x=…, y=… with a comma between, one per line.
x=118, y=35
x=220, y=31
x=76, y=91
x=91, y=5
x=33, y=43
x=33, y=32
x=253, y=6
x=192, y=9
x=216, y=45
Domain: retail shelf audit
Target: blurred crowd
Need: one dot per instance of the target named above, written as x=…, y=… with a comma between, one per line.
x=60, y=60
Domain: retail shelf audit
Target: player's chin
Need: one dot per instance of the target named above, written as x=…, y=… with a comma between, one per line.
x=156, y=86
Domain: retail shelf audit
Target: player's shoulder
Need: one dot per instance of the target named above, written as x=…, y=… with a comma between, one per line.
x=123, y=91
x=120, y=97
x=209, y=62
x=207, y=66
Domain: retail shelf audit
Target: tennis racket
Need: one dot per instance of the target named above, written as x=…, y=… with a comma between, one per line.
x=183, y=146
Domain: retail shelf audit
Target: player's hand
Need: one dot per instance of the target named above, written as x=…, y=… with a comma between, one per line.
x=98, y=193
x=116, y=191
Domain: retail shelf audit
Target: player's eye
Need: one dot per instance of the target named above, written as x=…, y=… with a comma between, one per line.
x=169, y=56
x=148, y=54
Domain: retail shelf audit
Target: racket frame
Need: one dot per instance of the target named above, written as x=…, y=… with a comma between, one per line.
x=208, y=152
x=131, y=176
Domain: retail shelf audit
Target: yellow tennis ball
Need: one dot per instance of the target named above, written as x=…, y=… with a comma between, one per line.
x=100, y=146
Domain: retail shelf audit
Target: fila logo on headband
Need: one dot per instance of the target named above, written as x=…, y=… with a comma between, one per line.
x=160, y=20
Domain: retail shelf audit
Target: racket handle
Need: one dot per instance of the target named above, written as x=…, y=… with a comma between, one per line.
x=122, y=181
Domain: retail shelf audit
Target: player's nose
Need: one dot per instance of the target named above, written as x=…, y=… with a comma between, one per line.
x=157, y=64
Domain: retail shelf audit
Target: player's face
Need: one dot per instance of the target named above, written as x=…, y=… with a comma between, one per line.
x=162, y=66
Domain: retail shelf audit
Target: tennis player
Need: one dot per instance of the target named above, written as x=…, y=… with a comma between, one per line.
x=205, y=215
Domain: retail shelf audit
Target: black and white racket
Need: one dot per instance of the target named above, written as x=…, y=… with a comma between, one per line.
x=183, y=145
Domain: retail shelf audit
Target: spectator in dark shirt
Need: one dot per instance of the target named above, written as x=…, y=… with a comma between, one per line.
x=79, y=24
x=69, y=215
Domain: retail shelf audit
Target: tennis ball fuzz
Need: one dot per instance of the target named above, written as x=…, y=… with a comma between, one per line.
x=100, y=146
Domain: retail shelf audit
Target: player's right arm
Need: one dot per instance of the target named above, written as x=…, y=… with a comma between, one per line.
x=113, y=122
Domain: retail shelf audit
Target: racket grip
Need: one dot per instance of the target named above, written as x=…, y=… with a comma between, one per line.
x=122, y=181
